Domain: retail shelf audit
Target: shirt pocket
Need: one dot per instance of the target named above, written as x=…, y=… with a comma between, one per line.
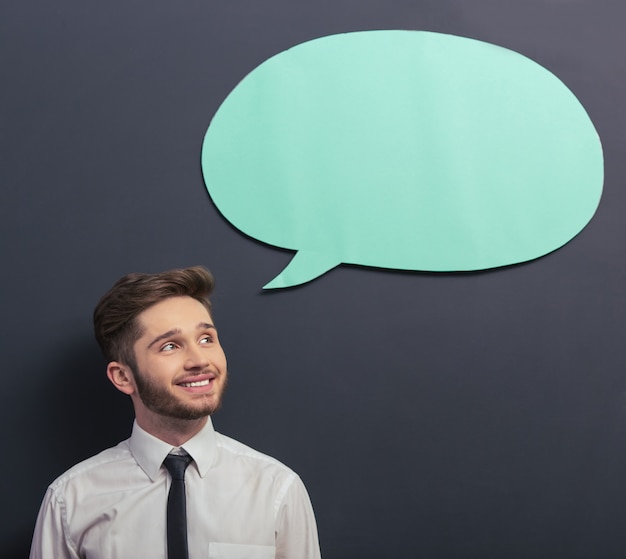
x=240, y=551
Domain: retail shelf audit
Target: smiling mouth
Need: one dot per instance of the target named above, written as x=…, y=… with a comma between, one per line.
x=197, y=383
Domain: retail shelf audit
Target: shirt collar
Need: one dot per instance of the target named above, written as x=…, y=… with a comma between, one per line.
x=149, y=451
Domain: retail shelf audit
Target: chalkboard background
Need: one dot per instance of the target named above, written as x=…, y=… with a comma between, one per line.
x=478, y=415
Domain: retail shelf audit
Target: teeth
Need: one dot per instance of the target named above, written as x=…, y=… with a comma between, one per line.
x=199, y=383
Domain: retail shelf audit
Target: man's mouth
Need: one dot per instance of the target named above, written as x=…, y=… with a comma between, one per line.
x=196, y=383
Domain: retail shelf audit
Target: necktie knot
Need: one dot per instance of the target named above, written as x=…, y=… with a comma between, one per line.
x=176, y=465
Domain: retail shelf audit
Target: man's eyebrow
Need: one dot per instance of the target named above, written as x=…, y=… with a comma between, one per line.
x=167, y=334
x=205, y=326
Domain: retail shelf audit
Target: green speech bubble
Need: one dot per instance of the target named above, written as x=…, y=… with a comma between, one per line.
x=403, y=149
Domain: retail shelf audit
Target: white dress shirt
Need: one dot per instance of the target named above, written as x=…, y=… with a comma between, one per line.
x=241, y=504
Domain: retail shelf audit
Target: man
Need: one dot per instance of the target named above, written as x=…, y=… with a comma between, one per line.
x=158, y=335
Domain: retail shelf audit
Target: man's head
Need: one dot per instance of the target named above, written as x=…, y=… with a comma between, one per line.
x=158, y=333
x=115, y=316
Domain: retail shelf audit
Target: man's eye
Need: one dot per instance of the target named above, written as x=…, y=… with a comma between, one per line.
x=168, y=347
x=206, y=340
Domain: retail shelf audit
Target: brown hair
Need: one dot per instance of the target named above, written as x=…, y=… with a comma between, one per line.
x=115, y=316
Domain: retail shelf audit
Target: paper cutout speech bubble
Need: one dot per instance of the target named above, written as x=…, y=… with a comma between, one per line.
x=403, y=149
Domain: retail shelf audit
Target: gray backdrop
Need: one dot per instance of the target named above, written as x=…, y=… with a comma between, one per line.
x=430, y=415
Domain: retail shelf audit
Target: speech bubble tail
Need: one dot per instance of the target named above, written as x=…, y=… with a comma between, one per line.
x=304, y=266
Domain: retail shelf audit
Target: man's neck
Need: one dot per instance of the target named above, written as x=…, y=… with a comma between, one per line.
x=171, y=430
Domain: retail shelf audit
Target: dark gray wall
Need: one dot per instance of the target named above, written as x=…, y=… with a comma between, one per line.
x=440, y=416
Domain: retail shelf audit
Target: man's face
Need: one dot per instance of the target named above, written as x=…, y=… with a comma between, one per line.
x=180, y=364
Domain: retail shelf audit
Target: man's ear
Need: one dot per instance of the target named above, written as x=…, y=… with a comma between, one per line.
x=121, y=377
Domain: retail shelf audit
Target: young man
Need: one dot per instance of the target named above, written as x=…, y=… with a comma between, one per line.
x=158, y=335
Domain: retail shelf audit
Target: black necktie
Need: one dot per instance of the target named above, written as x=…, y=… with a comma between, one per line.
x=176, y=507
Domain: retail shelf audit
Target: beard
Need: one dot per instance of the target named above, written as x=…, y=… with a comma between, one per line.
x=161, y=401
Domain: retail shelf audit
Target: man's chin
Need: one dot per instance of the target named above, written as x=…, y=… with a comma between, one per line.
x=177, y=407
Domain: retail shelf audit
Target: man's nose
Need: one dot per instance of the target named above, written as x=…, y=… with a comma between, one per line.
x=196, y=357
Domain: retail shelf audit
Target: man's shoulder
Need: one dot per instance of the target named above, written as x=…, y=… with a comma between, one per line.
x=110, y=459
x=241, y=452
